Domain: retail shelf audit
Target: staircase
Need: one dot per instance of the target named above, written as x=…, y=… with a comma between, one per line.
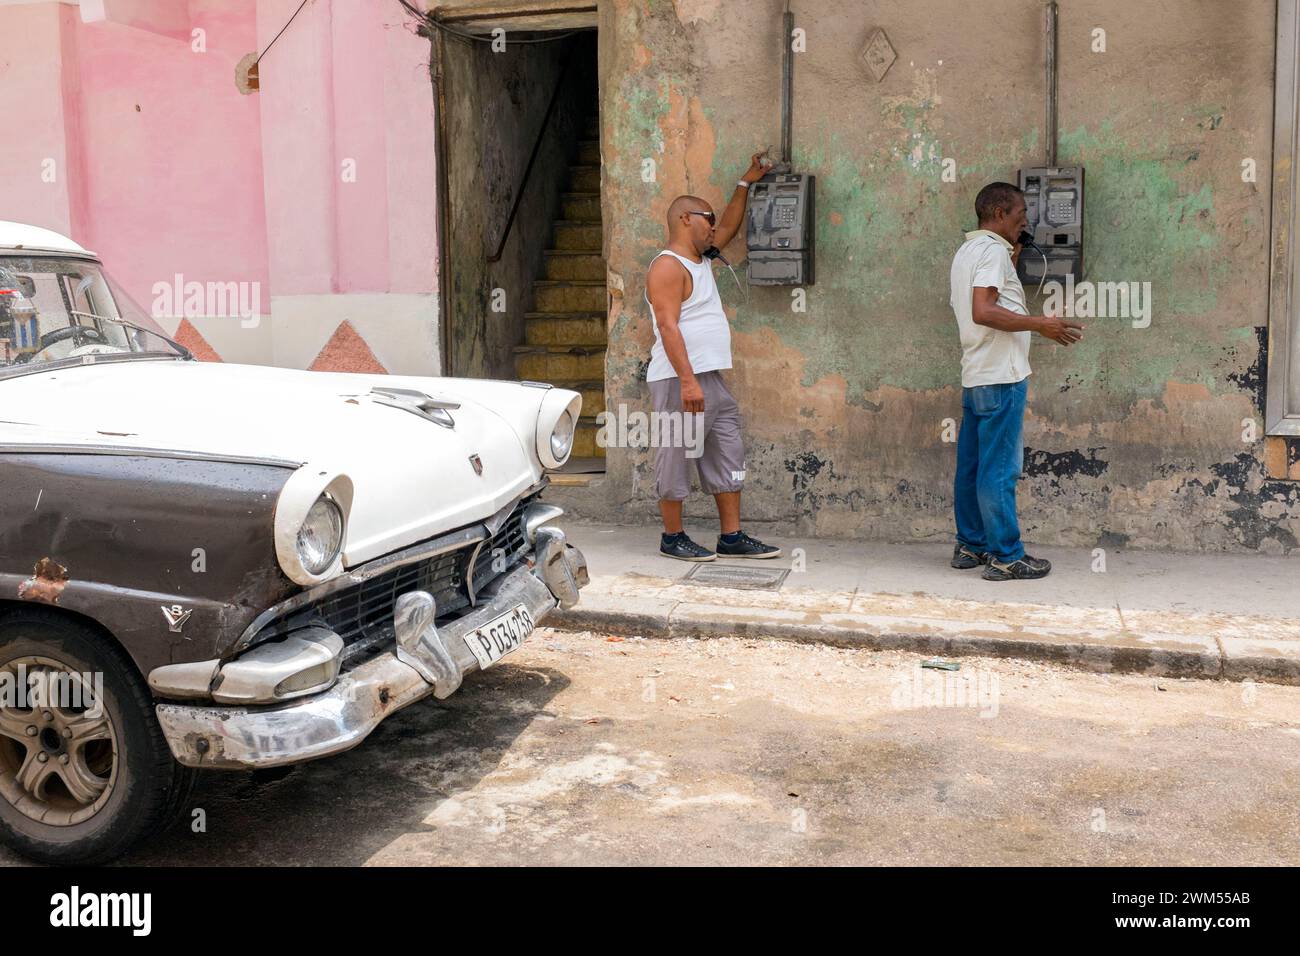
x=564, y=338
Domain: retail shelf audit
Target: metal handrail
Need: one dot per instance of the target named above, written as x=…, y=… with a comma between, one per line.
x=532, y=159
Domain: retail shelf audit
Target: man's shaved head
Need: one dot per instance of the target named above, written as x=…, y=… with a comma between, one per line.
x=684, y=204
x=692, y=232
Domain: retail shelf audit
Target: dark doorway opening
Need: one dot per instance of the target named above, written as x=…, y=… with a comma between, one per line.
x=522, y=243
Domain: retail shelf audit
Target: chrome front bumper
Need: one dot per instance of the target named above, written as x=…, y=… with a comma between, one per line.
x=427, y=660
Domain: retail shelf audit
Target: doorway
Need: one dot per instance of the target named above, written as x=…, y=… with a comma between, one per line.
x=521, y=240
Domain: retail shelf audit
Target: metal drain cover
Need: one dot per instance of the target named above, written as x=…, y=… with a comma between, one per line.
x=729, y=576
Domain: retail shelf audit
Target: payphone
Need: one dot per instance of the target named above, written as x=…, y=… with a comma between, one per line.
x=781, y=213
x=1054, y=210
x=780, y=229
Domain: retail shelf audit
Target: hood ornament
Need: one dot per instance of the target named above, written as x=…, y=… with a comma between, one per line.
x=477, y=462
x=176, y=617
x=417, y=403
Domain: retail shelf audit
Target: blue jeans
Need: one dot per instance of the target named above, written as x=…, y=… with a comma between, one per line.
x=990, y=455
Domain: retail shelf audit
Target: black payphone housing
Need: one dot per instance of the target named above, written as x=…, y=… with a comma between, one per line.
x=780, y=229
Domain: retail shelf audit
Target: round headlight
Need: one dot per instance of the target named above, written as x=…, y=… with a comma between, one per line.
x=562, y=437
x=321, y=536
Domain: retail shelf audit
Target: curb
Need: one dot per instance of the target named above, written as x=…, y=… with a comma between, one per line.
x=1173, y=655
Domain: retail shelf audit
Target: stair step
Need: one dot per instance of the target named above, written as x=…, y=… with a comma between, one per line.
x=589, y=152
x=573, y=264
x=542, y=363
x=577, y=479
x=579, y=236
x=584, y=178
x=564, y=328
x=584, y=439
x=570, y=295
x=585, y=206
x=593, y=395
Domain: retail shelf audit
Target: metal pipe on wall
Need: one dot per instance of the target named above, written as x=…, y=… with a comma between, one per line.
x=1050, y=133
x=787, y=86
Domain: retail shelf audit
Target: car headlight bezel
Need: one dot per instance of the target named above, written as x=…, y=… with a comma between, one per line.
x=558, y=418
x=297, y=498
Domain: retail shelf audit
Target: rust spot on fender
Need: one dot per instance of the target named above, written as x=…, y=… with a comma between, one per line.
x=47, y=582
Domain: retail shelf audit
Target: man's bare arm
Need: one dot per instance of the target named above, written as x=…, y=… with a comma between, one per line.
x=666, y=289
x=734, y=214
x=986, y=311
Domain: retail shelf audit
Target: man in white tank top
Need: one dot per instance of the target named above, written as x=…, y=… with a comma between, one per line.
x=695, y=413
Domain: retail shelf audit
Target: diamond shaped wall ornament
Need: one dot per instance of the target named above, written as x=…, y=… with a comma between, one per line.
x=878, y=54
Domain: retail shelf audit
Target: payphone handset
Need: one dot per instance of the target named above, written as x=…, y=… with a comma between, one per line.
x=780, y=229
x=1054, y=210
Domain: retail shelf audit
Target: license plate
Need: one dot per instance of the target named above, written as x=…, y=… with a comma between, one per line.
x=499, y=636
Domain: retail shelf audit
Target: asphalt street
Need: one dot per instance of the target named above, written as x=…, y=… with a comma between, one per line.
x=585, y=749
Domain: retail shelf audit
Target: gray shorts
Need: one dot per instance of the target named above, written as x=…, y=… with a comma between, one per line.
x=712, y=439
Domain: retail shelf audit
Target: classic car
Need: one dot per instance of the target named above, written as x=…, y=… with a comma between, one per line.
x=216, y=566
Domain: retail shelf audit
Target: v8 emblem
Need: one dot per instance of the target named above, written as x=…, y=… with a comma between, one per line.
x=176, y=617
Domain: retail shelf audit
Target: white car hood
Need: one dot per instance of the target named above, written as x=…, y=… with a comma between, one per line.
x=411, y=477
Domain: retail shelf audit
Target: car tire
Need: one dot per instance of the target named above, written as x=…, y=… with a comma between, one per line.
x=137, y=785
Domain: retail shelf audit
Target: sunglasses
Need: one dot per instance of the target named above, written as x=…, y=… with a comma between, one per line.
x=709, y=217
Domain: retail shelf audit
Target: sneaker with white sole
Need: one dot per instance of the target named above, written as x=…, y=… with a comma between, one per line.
x=746, y=547
x=682, y=548
x=1025, y=569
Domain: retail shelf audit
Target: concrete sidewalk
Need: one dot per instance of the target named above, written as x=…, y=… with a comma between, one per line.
x=1208, y=616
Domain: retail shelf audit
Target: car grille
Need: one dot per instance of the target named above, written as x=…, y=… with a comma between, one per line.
x=357, y=612
x=363, y=614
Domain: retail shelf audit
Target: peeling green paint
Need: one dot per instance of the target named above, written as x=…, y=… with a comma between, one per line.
x=1146, y=220
x=879, y=313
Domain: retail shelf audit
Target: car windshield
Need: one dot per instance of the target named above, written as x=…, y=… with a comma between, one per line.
x=57, y=310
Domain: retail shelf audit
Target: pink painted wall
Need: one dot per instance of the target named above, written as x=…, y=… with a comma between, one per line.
x=40, y=159
x=164, y=167
x=173, y=151
x=347, y=82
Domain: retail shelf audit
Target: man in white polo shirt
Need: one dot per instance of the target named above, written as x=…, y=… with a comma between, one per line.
x=995, y=327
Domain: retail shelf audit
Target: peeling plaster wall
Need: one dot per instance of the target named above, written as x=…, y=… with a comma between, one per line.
x=1133, y=437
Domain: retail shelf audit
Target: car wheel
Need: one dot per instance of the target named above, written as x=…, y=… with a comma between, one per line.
x=85, y=771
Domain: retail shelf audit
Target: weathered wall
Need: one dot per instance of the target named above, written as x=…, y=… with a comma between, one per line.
x=495, y=106
x=1134, y=436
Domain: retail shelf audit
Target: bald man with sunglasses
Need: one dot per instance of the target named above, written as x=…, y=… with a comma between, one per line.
x=692, y=346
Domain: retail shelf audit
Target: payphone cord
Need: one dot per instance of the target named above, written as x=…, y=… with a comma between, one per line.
x=713, y=252
x=1027, y=240
x=1043, y=280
